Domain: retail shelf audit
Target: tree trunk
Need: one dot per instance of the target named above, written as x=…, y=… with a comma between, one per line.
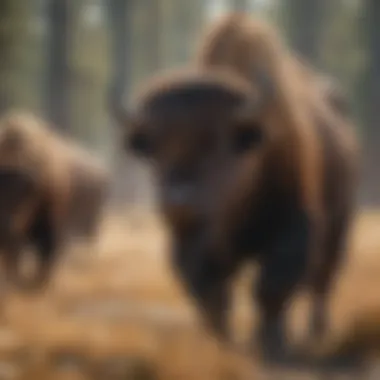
x=304, y=19
x=371, y=22
x=120, y=20
x=13, y=19
x=153, y=34
x=5, y=52
x=120, y=13
x=58, y=74
x=240, y=5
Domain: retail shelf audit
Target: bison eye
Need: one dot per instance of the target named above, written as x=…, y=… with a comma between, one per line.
x=140, y=143
x=246, y=138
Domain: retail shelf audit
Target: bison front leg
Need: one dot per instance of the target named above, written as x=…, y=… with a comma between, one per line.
x=326, y=273
x=207, y=281
x=45, y=238
x=283, y=266
x=214, y=303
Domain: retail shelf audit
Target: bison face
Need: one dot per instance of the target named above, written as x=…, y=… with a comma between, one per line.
x=202, y=135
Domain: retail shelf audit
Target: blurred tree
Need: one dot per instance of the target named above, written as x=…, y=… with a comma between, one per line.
x=371, y=84
x=120, y=14
x=343, y=53
x=304, y=22
x=186, y=18
x=58, y=73
x=240, y=5
x=120, y=21
x=153, y=34
x=89, y=61
x=147, y=30
x=13, y=32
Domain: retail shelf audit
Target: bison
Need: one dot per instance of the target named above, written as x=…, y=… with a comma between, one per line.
x=47, y=185
x=252, y=164
x=226, y=42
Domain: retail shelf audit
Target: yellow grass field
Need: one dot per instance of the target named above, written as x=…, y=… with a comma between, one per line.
x=116, y=312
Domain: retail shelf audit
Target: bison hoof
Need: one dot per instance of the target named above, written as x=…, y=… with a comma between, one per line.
x=273, y=345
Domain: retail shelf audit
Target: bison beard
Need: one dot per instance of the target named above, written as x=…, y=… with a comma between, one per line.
x=252, y=165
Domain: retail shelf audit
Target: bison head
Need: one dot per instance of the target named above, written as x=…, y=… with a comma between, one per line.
x=202, y=132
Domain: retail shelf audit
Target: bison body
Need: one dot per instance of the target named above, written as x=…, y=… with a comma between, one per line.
x=42, y=176
x=253, y=164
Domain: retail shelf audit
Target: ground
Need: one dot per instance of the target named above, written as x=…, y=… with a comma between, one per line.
x=115, y=311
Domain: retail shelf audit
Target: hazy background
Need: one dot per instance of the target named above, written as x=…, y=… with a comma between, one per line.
x=115, y=311
x=64, y=58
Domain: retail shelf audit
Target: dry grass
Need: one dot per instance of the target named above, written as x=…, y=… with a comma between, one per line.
x=116, y=312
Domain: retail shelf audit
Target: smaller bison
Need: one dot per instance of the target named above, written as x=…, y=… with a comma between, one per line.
x=50, y=188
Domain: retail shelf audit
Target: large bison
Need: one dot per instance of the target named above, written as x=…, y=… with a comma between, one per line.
x=253, y=164
x=49, y=189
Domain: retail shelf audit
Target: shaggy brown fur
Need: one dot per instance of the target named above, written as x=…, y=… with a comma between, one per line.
x=302, y=99
x=40, y=172
x=239, y=43
x=253, y=163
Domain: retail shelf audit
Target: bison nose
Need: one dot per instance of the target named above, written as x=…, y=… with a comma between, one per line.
x=179, y=187
x=180, y=195
x=180, y=203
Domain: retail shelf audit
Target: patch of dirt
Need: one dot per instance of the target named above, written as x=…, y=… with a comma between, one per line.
x=115, y=311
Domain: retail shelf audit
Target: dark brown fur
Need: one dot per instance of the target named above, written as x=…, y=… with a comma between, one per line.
x=253, y=163
x=39, y=170
x=240, y=43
